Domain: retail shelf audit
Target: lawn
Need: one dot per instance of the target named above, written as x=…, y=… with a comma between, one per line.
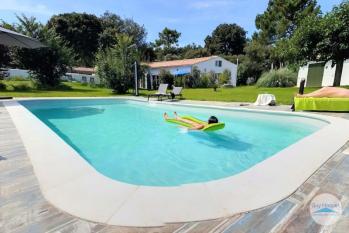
x=69, y=89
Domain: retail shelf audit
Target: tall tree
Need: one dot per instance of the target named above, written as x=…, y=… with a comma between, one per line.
x=29, y=26
x=166, y=46
x=81, y=31
x=282, y=17
x=323, y=39
x=115, y=64
x=227, y=39
x=168, y=38
x=113, y=24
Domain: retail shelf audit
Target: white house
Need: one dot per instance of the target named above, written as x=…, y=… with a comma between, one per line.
x=77, y=74
x=322, y=74
x=214, y=64
x=82, y=74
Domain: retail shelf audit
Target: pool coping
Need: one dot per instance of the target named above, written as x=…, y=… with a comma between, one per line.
x=82, y=191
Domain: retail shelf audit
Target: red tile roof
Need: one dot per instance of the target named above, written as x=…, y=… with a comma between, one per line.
x=185, y=62
x=83, y=70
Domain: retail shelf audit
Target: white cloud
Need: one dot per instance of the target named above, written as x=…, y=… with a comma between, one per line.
x=205, y=4
x=20, y=6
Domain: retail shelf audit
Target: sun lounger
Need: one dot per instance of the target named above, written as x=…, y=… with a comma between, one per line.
x=177, y=91
x=322, y=104
x=162, y=91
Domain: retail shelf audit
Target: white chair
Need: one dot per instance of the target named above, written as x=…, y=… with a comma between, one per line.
x=177, y=91
x=162, y=91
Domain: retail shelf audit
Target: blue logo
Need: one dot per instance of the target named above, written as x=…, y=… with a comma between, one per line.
x=325, y=209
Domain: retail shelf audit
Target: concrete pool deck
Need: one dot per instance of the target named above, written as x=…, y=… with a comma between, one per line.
x=168, y=227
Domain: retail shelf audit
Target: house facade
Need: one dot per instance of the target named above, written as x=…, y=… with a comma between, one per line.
x=76, y=74
x=82, y=75
x=213, y=64
x=321, y=74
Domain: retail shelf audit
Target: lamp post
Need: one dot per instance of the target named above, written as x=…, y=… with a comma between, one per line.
x=136, y=71
x=136, y=79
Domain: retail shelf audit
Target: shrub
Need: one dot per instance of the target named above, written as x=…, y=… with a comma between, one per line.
x=2, y=86
x=278, y=78
x=224, y=77
x=18, y=78
x=21, y=87
x=204, y=81
x=166, y=77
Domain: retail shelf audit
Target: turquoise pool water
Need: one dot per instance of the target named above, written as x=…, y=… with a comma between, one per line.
x=130, y=142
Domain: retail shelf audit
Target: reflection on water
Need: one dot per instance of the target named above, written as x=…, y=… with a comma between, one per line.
x=69, y=113
x=218, y=140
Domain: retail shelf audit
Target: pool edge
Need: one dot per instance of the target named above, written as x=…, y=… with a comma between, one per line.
x=194, y=200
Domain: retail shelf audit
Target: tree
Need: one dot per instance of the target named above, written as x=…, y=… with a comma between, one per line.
x=115, y=64
x=168, y=38
x=193, y=51
x=5, y=57
x=227, y=39
x=29, y=26
x=323, y=39
x=81, y=31
x=46, y=65
x=166, y=45
x=282, y=17
x=113, y=24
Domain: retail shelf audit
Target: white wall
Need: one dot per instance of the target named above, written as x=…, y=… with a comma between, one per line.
x=329, y=73
x=210, y=65
x=79, y=78
x=345, y=74
x=18, y=72
x=302, y=74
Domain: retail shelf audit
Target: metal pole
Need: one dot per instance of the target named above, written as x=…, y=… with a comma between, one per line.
x=136, y=79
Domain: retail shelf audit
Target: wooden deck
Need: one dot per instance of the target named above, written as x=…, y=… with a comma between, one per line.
x=24, y=209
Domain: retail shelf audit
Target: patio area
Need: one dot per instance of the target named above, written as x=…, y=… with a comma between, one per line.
x=24, y=209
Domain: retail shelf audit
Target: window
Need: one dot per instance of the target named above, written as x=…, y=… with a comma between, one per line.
x=84, y=79
x=219, y=63
x=92, y=80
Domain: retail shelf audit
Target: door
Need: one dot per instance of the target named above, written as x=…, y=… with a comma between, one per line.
x=315, y=74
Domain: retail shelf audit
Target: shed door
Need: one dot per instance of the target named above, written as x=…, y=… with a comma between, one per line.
x=315, y=74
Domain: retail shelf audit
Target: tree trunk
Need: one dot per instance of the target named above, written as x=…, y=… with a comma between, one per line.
x=338, y=73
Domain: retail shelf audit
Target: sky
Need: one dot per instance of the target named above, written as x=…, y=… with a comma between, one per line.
x=195, y=19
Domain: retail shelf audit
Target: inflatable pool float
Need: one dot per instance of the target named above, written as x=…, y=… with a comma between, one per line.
x=208, y=127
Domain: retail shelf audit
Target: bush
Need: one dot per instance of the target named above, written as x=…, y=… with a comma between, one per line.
x=224, y=78
x=2, y=86
x=18, y=78
x=21, y=87
x=278, y=78
x=166, y=77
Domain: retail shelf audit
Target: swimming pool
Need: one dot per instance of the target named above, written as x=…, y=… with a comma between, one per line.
x=130, y=142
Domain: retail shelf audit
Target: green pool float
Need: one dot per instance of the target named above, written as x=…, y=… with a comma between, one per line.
x=208, y=127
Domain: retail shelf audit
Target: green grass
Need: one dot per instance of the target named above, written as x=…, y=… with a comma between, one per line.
x=238, y=94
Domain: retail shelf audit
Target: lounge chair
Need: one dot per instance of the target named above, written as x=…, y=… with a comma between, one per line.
x=177, y=91
x=162, y=91
x=322, y=104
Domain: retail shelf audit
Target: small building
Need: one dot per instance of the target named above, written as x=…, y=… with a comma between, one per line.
x=82, y=75
x=213, y=64
x=76, y=74
x=321, y=74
